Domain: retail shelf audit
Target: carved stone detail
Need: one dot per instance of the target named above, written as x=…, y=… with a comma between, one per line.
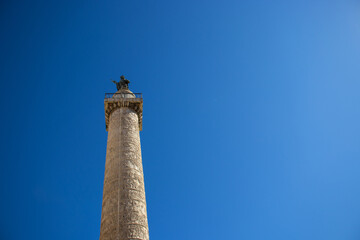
x=111, y=104
x=123, y=214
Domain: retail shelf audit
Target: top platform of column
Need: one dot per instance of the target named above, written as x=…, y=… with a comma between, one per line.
x=123, y=98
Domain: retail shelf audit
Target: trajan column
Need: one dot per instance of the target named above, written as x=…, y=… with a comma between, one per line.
x=123, y=215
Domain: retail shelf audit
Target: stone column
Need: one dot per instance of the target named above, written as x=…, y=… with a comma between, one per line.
x=123, y=214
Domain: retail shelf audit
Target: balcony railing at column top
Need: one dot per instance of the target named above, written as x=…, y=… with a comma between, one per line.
x=137, y=96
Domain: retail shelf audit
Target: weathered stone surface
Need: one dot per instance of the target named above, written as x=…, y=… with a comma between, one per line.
x=123, y=98
x=124, y=214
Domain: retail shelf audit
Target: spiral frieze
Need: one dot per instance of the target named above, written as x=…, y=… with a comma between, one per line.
x=124, y=214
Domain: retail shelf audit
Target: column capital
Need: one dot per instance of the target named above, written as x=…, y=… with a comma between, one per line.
x=123, y=98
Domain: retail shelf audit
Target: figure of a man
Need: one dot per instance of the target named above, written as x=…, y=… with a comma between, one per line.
x=122, y=84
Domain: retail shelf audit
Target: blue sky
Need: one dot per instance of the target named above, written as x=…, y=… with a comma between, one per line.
x=251, y=116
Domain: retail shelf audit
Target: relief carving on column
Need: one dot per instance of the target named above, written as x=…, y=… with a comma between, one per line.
x=124, y=214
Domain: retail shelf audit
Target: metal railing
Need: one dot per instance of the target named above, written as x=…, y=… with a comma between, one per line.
x=123, y=95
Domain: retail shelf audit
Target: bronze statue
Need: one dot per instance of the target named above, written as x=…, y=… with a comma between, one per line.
x=122, y=84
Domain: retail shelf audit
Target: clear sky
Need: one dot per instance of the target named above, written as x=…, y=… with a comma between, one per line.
x=251, y=125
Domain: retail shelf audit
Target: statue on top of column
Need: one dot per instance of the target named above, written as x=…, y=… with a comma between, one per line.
x=122, y=84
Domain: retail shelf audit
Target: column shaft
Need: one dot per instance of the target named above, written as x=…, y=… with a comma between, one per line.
x=123, y=214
